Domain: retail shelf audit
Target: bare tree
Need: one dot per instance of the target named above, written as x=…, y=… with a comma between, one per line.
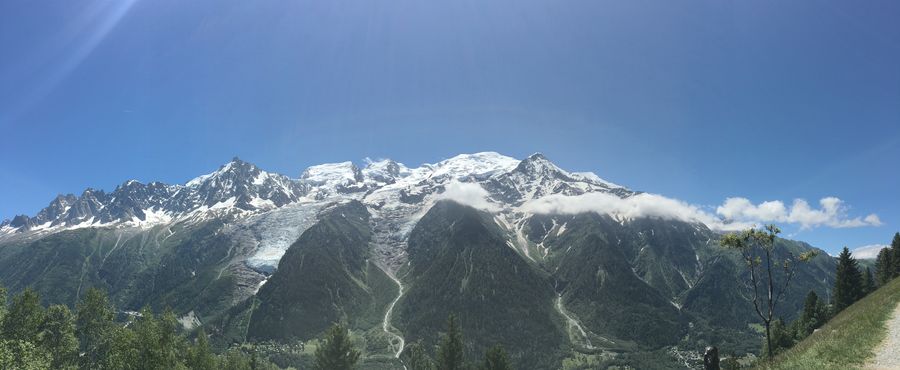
x=757, y=248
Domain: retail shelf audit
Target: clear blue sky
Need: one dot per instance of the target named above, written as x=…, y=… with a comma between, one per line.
x=768, y=100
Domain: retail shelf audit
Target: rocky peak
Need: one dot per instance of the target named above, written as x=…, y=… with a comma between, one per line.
x=538, y=165
x=385, y=171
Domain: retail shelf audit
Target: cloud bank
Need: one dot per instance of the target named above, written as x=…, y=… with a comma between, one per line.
x=733, y=214
x=468, y=193
x=869, y=251
x=833, y=213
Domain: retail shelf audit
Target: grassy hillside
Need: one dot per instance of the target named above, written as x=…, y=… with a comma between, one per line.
x=848, y=339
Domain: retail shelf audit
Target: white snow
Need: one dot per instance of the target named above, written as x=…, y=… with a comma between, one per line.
x=276, y=230
x=592, y=177
x=380, y=171
x=343, y=173
x=261, y=178
x=199, y=180
x=260, y=203
x=228, y=203
x=42, y=227
x=152, y=217
x=7, y=229
x=478, y=165
x=562, y=229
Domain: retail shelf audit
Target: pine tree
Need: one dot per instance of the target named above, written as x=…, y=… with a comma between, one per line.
x=867, y=285
x=847, y=283
x=24, y=318
x=201, y=356
x=811, y=317
x=58, y=336
x=496, y=359
x=450, y=354
x=884, y=266
x=895, y=255
x=335, y=351
x=418, y=359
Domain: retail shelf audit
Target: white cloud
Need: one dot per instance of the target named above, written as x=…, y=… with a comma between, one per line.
x=742, y=208
x=637, y=206
x=470, y=194
x=868, y=252
x=832, y=213
x=733, y=214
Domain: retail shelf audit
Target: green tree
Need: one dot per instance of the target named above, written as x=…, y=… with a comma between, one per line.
x=811, y=317
x=847, y=281
x=884, y=266
x=22, y=355
x=158, y=342
x=496, y=359
x=3, y=304
x=201, y=356
x=95, y=329
x=417, y=358
x=24, y=318
x=782, y=339
x=867, y=283
x=119, y=349
x=335, y=351
x=757, y=249
x=450, y=354
x=58, y=337
x=895, y=255
x=234, y=359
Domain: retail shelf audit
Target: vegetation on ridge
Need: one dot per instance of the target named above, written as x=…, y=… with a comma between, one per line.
x=848, y=339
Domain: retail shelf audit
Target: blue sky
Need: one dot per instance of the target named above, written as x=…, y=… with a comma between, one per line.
x=700, y=101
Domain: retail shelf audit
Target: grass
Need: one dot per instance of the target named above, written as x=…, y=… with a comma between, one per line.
x=848, y=340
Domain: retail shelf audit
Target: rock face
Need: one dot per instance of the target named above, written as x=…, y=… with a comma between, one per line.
x=254, y=255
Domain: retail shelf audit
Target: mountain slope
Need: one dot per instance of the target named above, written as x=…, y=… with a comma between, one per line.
x=461, y=264
x=599, y=285
x=323, y=278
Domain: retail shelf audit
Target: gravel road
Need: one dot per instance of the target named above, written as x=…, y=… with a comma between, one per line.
x=887, y=356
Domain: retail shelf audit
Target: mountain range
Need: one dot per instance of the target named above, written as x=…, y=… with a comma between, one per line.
x=391, y=251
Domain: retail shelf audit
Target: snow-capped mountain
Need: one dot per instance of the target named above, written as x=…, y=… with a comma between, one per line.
x=239, y=186
x=537, y=177
x=396, y=194
x=236, y=186
x=340, y=236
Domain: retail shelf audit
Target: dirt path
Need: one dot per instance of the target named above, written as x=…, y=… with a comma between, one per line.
x=887, y=355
